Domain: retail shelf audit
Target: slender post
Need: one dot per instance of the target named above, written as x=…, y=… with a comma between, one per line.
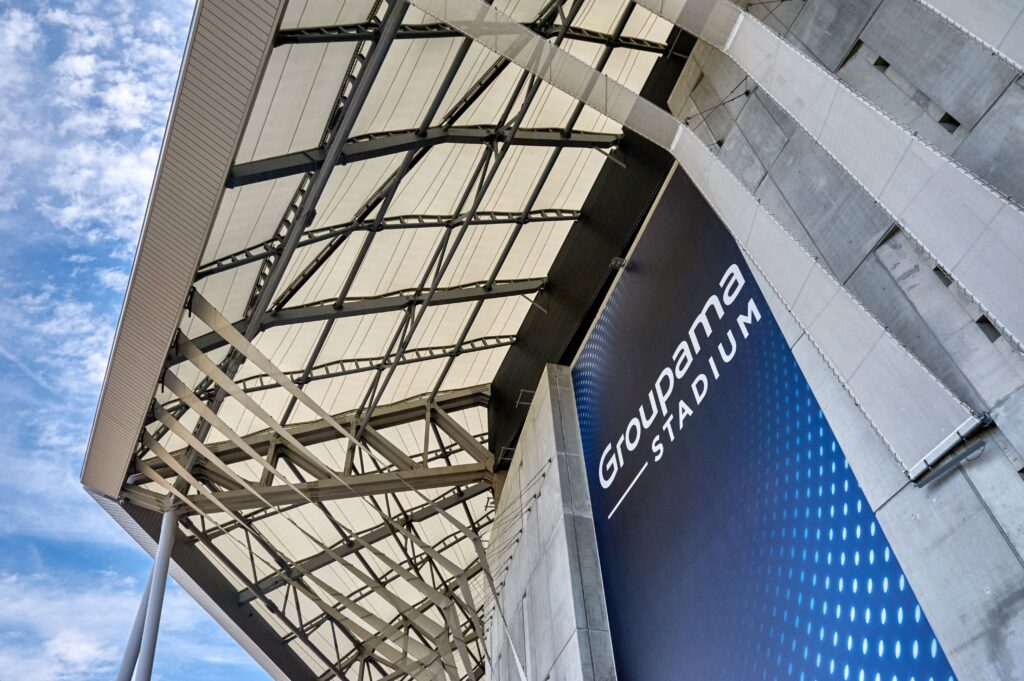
x=131, y=651
x=156, y=596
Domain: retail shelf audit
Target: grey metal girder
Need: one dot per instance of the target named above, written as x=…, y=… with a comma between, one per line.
x=311, y=236
x=392, y=302
x=314, y=432
x=348, y=487
x=348, y=367
x=388, y=143
x=344, y=548
x=347, y=33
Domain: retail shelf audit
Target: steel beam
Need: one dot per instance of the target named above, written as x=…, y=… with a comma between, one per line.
x=272, y=246
x=344, y=548
x=435, y=456
x=488, y=169
x=399, y=301
x=395, y=456
x=349, y=367
x=389, y=143
x=392, y=302
x=314, y=432
x=461, y=436
x=347, y=487
x=349, y=33
x=301, y=211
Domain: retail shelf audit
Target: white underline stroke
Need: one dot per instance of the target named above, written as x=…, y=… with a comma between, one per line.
x=623, y=497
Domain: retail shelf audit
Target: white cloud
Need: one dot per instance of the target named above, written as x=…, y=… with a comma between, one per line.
x=58, y=346
x=86, y=118
x=53, y=628
x=85, y=86
x=114, y=278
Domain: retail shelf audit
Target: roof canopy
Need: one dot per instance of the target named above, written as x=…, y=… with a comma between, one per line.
x=356, y=218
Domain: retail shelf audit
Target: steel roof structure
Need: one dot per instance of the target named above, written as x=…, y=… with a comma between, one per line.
x=366, y=236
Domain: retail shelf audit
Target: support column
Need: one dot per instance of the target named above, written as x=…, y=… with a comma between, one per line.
x=131, y=651
x=158, y=583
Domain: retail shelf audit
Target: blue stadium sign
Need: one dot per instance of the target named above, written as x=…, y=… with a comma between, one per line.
x=735, y=542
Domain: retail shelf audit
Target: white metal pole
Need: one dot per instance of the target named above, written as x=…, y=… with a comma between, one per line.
x=156, y=596
x=131, y=651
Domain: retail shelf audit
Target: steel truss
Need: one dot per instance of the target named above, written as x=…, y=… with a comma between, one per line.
x=380, y=144
x=347, y=33
x=312, y=236
x=398, y=301
x=440, y=634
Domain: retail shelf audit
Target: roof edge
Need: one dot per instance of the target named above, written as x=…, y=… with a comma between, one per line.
x=227, y=52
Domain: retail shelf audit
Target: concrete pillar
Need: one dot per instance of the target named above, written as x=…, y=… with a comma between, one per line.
x=543, y=552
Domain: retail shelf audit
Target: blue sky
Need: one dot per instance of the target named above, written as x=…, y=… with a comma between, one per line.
x=84, y=91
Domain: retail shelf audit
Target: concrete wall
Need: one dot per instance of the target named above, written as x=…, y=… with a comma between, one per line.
x=825, y=208
x=922, y=69
x=960, y=539
x=543, y=553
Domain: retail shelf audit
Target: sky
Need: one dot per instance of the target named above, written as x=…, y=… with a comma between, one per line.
x=85, y=87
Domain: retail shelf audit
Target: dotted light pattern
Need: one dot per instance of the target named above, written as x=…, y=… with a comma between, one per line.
x=833, y=601
x=821, y=594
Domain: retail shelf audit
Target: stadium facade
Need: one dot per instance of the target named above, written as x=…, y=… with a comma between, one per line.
x=565, y=339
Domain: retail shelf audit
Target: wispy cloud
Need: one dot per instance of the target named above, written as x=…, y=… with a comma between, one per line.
x=40, y=641
x=85, y=86
x=114, y=278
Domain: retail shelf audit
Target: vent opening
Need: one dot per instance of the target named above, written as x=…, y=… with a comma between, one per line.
x=991, y=332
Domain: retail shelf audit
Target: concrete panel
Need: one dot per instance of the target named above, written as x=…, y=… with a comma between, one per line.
x=969, y=581
x=778, y=16
x=995, y=147
x=771, y=198
x=757, y=54
x=994, y=477
x=761, y=131
x=552, y=591
x=736, y=208
x=684, y=86
x=846, y=334
x=778, y=257
x=841, y=218
x=918, y=165
x=878, y=472
x=791, y=329
x=796, y=82
x=996, y=22
x=949, y=214
x=1012, y=45
x=778, y=114
x=913, y=427
x=818, y=291
x=709, y=105
x=1009, y=417
x=992, y=266
x=872, y=164
x=958, y=73
x=739, y=157
x=861, y=74
x=875, y=287
x=829, y=28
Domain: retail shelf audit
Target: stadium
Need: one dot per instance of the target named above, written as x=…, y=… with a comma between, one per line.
x=409, y=268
